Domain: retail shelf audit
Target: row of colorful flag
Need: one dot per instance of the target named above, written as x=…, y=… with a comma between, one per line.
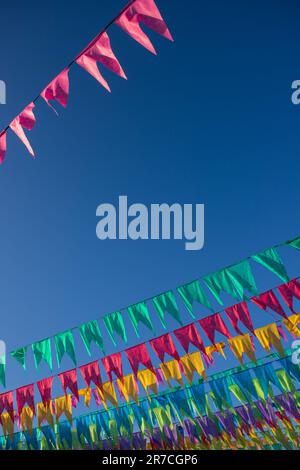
x=239, y=313
x=174, y=370
x=193, y=402
x=99, y=51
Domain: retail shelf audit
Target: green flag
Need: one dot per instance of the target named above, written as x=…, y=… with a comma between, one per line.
x=242, y=278
x=114, y=324
x=166, y=303
x=234, y=280
x=90, y=332
x=2, y=370
x=42, y=350
x=64, y=343
x=271, y=260
x=20, y=356
x=191, y=293
x=139, y=313
x=294, y=243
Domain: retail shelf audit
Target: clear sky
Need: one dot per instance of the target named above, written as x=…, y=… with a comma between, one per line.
x=209, y=120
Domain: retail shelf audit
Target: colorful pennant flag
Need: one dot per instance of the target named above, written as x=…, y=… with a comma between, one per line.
x=139, y=313
x=42, y=350
x=271, y=260
x=191, y=293
x=90, y=332
x=114, y=324
x=64, y=344
x=166, y=303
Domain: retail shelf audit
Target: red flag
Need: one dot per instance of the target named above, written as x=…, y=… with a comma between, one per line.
x=100, y=51
x=189, y=335
x=69, y=380
x=45, y=389
x=289, y=291
x=25, y=395
x=240, y=312
x=58, y=90
x=91, y=373
x=269, y=299
x=113, y=363
x=25, y=119
x=139, y=355
x=212, y=324
x=7, y=403
x=2, y=146
x=164, y=345
x=143, y=11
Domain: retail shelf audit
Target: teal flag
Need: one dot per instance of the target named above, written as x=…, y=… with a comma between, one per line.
x=191, y=293
x=2, y=370
x=139, y=313
x=64, y=343
x=271, y=260
x=114, y=324
x=42, y=350
x=90, y=332
x=166, y=303
x=234, y=280
x=20, y=356
x=294, y=243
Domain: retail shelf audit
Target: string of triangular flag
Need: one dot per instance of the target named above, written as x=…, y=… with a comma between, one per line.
x=99, y=51
x=245, y=388
x=186, y=335
x=175, y=370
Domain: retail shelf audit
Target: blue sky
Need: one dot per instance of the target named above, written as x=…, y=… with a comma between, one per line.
x=209, y=120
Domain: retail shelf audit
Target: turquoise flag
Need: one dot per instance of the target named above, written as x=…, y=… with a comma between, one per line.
x=271, y=260
x=166, y=303
x=20, y=356
x=64, y=344
x=191, y=293
x=234, y=280
x=42, y=350
x=139, y=313
x=114, y=324
x=294, y=243
x=90, y=332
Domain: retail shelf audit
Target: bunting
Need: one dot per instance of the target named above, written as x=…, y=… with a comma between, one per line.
x=114, y=324
x=166, y=303
x=191, y=293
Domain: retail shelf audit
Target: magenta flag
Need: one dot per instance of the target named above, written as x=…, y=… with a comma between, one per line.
x=100, y=51
x=69, y=380
x=139, y=355
x=269, y=299
x=7, y=403
x=113, y=363
x=164, y=345
x=2, y=146
x=212, y=324
x=45, y=389
x=58, y=90
x=240, y=312
x=189, y=335
x=146, y=12
x=25, y=395
x=25, y=119
x=91, y=373
x=289, y=291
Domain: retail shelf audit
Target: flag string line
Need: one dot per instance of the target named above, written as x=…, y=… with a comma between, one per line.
x=247, y=366
x=129, y=4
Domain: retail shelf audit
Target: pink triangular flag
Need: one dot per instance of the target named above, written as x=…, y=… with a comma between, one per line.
x=143, y=11
x=149, y=14
x=58, y=90
x=2, y=146
x=25, y=119
x=129, y=22
x=100, y=51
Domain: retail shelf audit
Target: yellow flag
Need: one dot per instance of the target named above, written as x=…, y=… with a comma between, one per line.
x=171, y=370
x=63, y=405
x=268, y=335
x=192, y=363
x=240, y=345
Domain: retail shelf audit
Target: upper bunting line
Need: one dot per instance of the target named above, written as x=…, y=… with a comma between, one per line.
x=98, y=50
